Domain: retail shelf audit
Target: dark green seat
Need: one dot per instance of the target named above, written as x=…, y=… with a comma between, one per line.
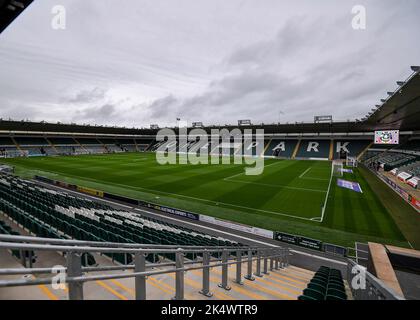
x=317, y=287
x=314, y=294
x=331, y=297
x=306, y=298
x=337, y=293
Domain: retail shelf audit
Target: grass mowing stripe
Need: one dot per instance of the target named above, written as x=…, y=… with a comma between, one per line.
x=202, y=189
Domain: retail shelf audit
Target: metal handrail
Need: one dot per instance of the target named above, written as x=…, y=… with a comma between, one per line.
x=75, y=275
x=13, y=238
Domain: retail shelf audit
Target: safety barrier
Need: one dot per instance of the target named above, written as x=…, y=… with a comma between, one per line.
x=204, y=258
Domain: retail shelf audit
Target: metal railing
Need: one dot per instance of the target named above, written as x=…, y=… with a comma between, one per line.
x=76, y=274
x=365, y=286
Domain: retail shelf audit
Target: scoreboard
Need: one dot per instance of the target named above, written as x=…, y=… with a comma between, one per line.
x=387, y=137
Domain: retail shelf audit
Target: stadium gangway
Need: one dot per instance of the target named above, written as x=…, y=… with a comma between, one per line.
x=365, y=286
x=272, y=258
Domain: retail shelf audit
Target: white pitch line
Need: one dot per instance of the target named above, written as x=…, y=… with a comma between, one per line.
x=195, y=198
x=277, y=186
x=241, y=173
x=317, y=179
x=305, y=172
x=326, y=196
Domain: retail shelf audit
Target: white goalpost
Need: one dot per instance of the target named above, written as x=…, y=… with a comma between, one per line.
x=351, y=162
x=337, y=168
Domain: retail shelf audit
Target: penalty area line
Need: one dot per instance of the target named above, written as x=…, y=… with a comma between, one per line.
x=306, y=171
x=327, y=195
x=241, y=173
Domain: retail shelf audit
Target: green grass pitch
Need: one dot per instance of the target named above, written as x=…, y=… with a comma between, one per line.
x=287, y=197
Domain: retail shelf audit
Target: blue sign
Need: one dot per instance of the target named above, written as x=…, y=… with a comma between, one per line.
x=349, y=185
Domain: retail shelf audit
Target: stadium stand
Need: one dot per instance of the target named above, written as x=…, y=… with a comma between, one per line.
x=392, y=160
x=412, y=144
x=127, y=145
x=280, y=148
x=350, y=147
x=47, y=213
x=22, y=255
x=10, y=10
x=327, y=284
x=313, y=149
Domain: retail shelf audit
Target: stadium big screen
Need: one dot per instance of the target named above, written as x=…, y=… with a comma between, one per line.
x=387, y=137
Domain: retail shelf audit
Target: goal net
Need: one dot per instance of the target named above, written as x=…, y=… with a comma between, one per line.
x=337, y=168
x=351, y=162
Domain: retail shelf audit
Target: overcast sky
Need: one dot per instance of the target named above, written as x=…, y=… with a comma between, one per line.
x=137, y=62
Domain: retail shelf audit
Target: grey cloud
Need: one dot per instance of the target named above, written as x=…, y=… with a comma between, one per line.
x=106, y=112
x=214, y=62
x=86, y=96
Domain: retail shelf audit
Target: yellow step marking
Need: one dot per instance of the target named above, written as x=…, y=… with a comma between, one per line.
x=281, y=286
x=168, y=287
x=153, y=282
x=303, y=271
x=298, y=277
x=268, y=291
x=157, y=285
x=196, y=285
x=111, y=290
x=238, y=288
x=47, y=292
x=123, y=287
x=291, y=278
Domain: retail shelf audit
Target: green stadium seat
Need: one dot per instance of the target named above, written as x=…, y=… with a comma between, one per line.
x=313, y=294
x=306, y=298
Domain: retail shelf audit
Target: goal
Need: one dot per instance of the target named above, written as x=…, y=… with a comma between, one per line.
x=351, y=162
x=337, y=168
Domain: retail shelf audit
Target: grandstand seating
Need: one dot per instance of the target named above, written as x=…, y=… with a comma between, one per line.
x=391, y=160
x=413, y=169
x=351, y=147
x=48, y=213
x=413, y=144
x=65, y=150
x=327, y=284
x=29, y=141
x=281, y=148
x=91, y=149
x=34, y=151
x=6, y=229
x=317, y=149
x=88, y=141
x=62, y=141
x=6, y=141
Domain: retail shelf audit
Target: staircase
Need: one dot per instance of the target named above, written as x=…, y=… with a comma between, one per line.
x=271, y=279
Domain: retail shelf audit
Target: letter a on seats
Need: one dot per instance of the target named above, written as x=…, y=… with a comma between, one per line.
x=280, y=146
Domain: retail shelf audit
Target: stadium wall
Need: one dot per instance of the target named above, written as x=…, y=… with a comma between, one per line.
x=410, y=199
